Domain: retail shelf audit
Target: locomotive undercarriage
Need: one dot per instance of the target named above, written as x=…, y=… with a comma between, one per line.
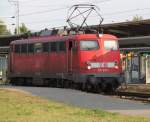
x=101, y=84
x=89, y=83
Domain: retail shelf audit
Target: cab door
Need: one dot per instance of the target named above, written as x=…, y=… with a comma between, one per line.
x=70, y=56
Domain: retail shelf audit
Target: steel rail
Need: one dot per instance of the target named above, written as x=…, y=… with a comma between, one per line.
x=134, y=95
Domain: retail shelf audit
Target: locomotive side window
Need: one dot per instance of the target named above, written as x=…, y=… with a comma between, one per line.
x=62, y=46
x=30, y=48
x=17, y=48
x=46, y=47
x=53, y=46
x=89, y=45
x=38, y=47
x=111, y=45
x=24, y=48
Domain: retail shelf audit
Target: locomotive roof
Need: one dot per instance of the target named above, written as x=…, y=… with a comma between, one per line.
x=58, y=38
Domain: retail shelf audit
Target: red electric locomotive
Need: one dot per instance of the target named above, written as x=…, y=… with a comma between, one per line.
x=90, y=61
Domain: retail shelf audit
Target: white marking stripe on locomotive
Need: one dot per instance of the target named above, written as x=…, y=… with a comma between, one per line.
x=101, y=65
x=111, y=64
x=95, y=64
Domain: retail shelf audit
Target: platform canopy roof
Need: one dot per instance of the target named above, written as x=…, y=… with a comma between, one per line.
x=128, y=29
x=121, y=30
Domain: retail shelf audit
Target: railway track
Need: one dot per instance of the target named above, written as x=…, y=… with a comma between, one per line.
x=124, y=94
x=145, y=97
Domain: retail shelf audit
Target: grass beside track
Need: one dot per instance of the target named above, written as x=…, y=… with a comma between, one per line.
x=17, y=106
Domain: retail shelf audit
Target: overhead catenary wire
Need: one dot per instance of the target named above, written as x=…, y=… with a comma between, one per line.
x=44, y=11
x=55, y=9
x=50, y=5
x=105, y=14
x=66, y=7
x=126, y=11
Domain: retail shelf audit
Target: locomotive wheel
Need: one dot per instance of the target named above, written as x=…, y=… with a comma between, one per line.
x=66, y=84
x=29, y=82
x=103, y=86
x=98, y=88
x=54, y=83
x=109, y=88
x=19, y=82
x=62, y=83
x=79, y=86
x=46, y=82
x=88, y=87
x=116, y=84
x=75, y=85
x=59, y=83
x=13, y=81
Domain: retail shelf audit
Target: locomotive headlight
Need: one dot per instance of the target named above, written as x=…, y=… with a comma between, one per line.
x=89, y=67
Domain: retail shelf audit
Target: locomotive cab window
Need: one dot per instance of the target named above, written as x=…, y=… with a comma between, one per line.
x=86, y=45
x=111, y=45
x=30, y=48
x=53, y=46
x=38, y=47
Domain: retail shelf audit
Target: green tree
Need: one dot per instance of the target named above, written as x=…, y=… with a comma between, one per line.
x=22, y=29
x=137, y=18
x=3, y=29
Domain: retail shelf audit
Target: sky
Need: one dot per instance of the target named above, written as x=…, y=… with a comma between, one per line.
x=40, y=14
